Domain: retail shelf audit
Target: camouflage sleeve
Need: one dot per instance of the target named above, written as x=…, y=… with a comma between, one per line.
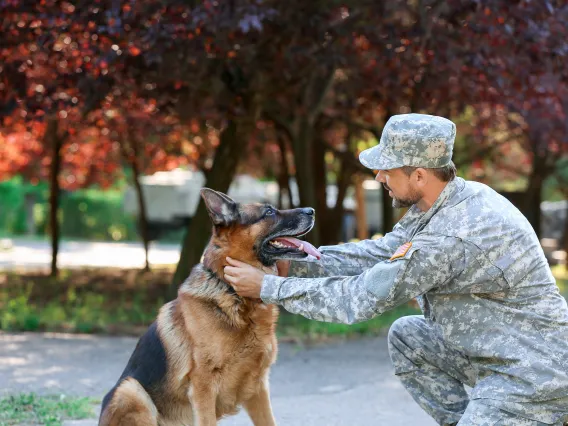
x=349, y=259
x=430, y=262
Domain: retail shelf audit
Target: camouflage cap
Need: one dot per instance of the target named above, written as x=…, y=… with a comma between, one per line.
x=417, y=140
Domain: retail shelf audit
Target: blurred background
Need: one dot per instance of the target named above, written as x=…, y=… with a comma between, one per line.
x=114, y=113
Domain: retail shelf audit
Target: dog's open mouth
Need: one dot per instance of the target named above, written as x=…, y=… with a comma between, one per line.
x=292, y=245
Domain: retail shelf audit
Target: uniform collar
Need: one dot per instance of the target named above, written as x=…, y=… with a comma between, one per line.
x=415, y=214
x=450, y=190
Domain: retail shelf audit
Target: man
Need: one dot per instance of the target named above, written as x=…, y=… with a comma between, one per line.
x=493, y=320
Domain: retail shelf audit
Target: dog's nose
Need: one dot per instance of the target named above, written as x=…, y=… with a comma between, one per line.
x=309, y=211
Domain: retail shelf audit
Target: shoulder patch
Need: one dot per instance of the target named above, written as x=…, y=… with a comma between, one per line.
x=401, y=251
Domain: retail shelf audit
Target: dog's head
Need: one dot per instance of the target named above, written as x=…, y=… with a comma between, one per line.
x=257, y=233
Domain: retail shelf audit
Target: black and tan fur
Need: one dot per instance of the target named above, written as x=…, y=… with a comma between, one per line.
x=209, y=351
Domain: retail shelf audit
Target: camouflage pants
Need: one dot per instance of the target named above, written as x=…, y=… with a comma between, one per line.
x=435, y=375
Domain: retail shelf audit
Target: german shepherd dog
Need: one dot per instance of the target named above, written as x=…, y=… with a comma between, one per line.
x=209, y=351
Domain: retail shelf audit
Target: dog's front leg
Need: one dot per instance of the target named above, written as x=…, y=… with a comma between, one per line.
x=202, y=398
x=259, y=408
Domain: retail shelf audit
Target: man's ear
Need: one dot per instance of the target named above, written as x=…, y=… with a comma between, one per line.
x=421, y=177
x=221, y=208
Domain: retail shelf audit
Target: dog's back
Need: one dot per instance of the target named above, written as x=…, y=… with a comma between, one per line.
x=138, y=385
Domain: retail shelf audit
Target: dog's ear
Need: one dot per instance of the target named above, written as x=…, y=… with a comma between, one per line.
x=221, y=208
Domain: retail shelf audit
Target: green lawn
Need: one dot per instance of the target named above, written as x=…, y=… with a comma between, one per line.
x=560, y=272
x=126, y=301
x=45, y=410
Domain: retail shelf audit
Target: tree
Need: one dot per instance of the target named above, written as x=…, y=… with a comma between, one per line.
x=63, y=62
x=523, y=63
x=52, y=76
x=316, y=79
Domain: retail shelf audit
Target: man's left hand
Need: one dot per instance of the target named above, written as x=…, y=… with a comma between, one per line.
x=244, y=278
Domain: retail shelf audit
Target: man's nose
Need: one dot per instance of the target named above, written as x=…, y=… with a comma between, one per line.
x=380, y=177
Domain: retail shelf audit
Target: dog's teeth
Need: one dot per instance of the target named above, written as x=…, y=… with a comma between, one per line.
x=301, y=248
x=278, y=244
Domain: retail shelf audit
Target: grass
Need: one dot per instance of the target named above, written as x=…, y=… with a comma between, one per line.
x=297, y=327
x=114, y=301
x=111, y=301
x=560, y=272
x=45, y=410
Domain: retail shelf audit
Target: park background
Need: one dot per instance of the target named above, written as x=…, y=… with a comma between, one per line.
x=107, y=105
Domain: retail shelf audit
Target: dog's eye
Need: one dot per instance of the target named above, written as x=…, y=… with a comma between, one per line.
x=270, y=212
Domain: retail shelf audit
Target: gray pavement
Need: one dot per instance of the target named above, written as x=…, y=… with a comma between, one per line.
x=344, y=383
x=348, y=383
x=33, y=254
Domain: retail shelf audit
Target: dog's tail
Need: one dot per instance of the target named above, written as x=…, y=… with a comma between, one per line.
x=129, y=405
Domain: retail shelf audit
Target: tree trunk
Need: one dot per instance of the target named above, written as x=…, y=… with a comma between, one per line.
x=360, y=210
x=130, y=151
x=534, y=194
x=336, y=214
x=387, y=208
x=564, y=242
x=52, y=138
x=142, y=207
x=302, y=145
x=284, y=174
x=319, y=180
x=219, y=178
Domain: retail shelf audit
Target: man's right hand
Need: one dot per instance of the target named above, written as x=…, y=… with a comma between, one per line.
x=283, y=267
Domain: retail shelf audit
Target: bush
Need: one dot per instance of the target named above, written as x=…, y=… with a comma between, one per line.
x=96, y=215
x=78, y=311
x=89, y=214
x=12, y=202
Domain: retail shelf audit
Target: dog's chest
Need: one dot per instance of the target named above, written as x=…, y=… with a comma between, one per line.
x=244, y=372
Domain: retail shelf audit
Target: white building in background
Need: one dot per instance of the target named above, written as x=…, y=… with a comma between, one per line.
x=172, y=198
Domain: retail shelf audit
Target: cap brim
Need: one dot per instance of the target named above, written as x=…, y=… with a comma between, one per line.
x=374, y=158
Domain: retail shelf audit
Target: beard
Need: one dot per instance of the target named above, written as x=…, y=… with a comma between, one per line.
x=412, y=198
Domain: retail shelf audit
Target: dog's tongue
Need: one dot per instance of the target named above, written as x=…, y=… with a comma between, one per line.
x=294, y=242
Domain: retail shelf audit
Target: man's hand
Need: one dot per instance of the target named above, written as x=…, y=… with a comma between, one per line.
x=283, y=268
x=244, y=278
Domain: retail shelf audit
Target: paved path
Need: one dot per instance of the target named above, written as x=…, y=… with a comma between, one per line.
x=76, y=254
x=336, y=384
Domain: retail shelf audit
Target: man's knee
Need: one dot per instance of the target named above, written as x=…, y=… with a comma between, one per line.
x=404, y=327
x=404, y=336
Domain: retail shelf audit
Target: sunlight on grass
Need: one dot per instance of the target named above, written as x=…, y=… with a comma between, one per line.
x=81, y=301
x=126, y=302
x=45, y=410
x=560, y=272
x=298, y=327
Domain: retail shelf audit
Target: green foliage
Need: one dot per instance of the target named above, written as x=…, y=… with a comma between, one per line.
x=74, y=310
x=128, y=301
x=89, y=214
x=297, y=326
x=96, y=215
x=18, y=314
x=555, y=186
x=112, y=301
x=560, y=272
x=45, y=410
x=12, y=206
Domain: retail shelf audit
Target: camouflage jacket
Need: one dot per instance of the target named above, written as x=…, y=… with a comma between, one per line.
x=480, y=276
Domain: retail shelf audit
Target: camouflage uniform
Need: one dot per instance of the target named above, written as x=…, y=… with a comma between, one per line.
x=493, y=316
